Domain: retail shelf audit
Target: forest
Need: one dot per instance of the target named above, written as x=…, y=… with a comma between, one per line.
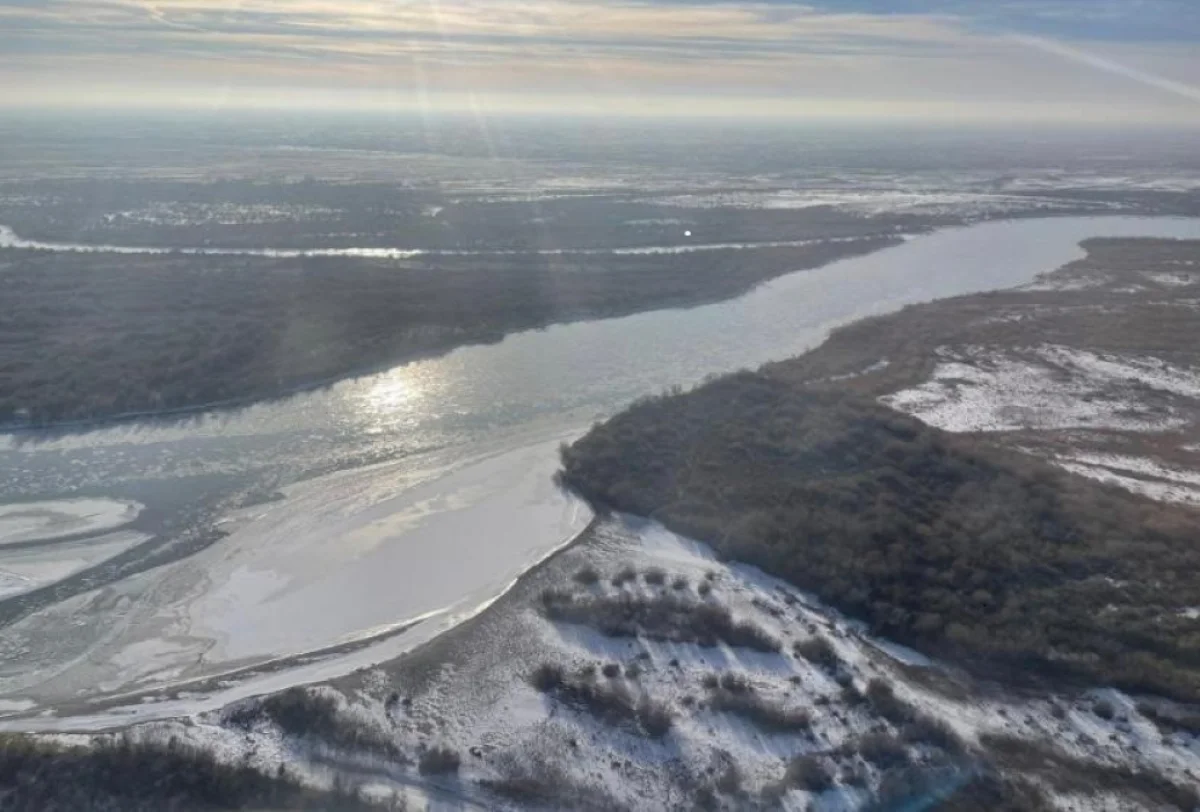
x=86, y=336
x=1012, y=568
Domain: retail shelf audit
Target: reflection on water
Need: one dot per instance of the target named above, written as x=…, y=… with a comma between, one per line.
x=388, y=395
x=565, y=374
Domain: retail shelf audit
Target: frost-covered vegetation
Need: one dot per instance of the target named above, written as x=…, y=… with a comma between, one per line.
x=124, y=776
x=667, y=616
x=93, y=335
x=1001, y=561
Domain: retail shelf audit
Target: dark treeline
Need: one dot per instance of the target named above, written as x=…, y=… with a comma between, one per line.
x=122, y=776
x=412, y=214
x=96, y=335
x=1000, y=561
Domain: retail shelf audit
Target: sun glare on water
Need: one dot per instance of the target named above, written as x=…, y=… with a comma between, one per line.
x=392, y=397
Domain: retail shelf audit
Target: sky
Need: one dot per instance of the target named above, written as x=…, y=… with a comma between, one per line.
x=1116, y=61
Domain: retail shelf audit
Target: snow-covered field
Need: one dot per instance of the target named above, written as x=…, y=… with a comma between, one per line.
x=1055, y=389
x=1137, y=474
x=977, y=389
x=876, y=202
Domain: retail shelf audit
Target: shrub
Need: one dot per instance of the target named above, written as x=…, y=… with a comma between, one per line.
x=771, y=716
x=134, y=777
x=438, y=760
x=734, y=693
x=307, y=713
x=654, y=717
x=679, y=584
x=612, y=702
x=1168, y=721
x=301, y=712
x=665, y=616
x=729, y=780
x=611, y=670
x=554, y=595
x=883, y=701
x=922, y=729
x=853, y=776
x=655, y=576
x=808, y=773
x=624, y=575
x=883, y=750
x=736, y=683
x=587, y=576
x=547, y=678
x=818, y=651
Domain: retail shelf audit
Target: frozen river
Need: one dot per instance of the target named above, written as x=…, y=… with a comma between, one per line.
x=140, y=561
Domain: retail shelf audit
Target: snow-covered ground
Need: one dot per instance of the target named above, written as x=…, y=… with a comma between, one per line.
x=1137, y=474
x=876, y=202
x=977, y=389
x=1173, y=280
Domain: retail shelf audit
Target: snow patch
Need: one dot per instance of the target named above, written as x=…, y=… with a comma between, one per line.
x=878, y=366
x=1172, y=280
x=1055, y=281
x=1159, y=491
x=977, y=389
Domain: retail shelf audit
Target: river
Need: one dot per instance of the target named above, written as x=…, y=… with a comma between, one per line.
x=361, y=519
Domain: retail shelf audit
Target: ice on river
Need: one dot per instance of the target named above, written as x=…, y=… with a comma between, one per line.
x=23, y=523
x=341, y=558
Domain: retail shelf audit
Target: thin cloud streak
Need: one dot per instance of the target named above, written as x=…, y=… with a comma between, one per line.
x=815, y=57
x=1109, y=66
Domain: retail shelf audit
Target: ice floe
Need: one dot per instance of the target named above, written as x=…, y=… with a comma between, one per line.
x=23, y=523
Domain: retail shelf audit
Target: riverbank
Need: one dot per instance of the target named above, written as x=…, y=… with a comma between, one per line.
x=186, y=332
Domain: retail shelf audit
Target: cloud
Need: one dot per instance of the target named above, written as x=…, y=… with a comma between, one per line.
x=1091, y=60
x=1079, y=20
x=951, y=55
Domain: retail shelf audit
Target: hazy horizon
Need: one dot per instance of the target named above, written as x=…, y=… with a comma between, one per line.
x=1006, y=62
